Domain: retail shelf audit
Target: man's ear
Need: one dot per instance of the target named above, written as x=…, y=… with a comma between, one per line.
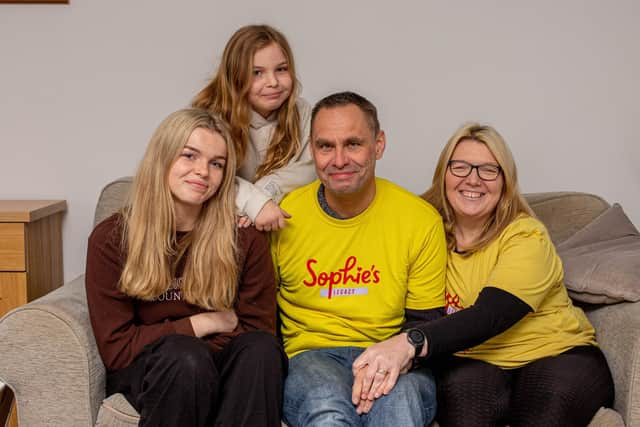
x=311, y=150
x=381, y=143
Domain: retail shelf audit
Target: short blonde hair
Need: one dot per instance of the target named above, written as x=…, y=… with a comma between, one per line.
x=511, y=203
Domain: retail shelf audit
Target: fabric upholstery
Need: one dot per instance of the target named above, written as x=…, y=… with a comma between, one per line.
x=602, y=260
x=618, y=333
x=116, y=411
x=112, y=198
x=564, y=213
x=606, y=417
x=48, y=355
x=612, y=224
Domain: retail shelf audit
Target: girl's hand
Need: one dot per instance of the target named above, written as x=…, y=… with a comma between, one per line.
x=244, y=221
x=271, y=217
x=214, y=322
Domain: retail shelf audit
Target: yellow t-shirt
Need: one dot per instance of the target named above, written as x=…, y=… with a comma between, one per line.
x=522, y=261
x=347, y=282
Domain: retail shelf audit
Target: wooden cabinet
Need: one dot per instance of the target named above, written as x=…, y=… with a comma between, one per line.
x=30, y=250
x=30, y=258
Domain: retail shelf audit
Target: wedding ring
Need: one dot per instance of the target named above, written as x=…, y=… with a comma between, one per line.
x=382, y=371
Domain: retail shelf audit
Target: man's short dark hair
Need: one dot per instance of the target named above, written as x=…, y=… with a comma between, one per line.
x=342, y=99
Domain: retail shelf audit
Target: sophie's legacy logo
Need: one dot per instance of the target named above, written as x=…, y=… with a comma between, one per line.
x=350, y=274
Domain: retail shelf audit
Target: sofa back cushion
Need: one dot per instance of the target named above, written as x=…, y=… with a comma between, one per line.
x=564, y=213
x=112, y=198
x=602, y=260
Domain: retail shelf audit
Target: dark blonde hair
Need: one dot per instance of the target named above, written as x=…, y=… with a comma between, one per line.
x=149, y=238
x=511, y=203
x=227, y=94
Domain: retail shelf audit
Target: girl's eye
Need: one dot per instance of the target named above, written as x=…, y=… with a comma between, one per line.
x=188, y=156
x=283, y=69
x=217, y=164
x=257, y=73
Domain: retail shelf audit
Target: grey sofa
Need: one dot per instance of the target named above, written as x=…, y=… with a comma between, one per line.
x=49, y=358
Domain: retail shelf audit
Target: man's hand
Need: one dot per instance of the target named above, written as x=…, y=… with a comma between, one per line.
x=382, y=364
x=271, y=217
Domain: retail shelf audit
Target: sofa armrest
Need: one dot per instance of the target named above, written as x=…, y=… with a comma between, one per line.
x=49, y=358
x=618, y=333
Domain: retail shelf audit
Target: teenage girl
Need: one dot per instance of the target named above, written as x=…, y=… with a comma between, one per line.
x=181, y=301
x=256, y=91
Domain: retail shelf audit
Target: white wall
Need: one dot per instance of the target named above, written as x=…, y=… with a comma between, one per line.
x=83, y=86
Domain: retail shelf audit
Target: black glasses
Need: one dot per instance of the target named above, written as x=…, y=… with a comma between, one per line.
x=486, y=171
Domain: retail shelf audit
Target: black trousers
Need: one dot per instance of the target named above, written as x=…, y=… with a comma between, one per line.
x=179, y=380
x=565, y=390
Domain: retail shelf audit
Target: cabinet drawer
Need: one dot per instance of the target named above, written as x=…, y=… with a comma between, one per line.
x=13, y=291
x=12, y=254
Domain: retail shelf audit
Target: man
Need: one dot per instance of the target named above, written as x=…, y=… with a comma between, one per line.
x=358, y=257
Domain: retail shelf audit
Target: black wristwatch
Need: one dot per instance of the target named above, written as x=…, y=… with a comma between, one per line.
x=416, y=338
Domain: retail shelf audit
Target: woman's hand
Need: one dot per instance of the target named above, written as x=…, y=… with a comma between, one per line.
x=271, y=217
x=363, y=406
x=377, y=369
x=214, y=322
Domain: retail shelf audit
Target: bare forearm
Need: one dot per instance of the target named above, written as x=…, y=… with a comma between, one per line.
x=213, y=322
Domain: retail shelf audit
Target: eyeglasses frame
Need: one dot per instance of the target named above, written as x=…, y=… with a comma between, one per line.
x=476, y=167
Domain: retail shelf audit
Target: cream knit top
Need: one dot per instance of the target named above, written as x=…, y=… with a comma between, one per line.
x=300, y=170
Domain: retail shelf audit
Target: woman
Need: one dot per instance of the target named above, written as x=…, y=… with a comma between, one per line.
x=256, y=90
x=182, y=303
x=524, y=355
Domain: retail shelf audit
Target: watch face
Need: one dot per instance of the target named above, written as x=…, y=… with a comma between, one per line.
x=415, y=336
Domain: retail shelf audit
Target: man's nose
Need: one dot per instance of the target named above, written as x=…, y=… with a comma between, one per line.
x=341, y=158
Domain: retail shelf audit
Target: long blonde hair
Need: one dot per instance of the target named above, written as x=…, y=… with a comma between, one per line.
x=227, y=94
x=511, y=203
x=149, y=239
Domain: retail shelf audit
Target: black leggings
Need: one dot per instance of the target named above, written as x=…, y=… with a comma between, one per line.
x=179, y=381
x=565, y=390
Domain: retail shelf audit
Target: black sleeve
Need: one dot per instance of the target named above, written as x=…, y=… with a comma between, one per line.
x=415, y=318
x=494, y=312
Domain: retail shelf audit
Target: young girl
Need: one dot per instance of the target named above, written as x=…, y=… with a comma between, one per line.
x=182, y=303
x=256, y=91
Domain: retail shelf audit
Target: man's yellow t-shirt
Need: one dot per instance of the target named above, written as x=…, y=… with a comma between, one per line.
x=346, y=282
x=522, y=261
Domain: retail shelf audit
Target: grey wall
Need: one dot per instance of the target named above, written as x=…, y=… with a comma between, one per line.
x=83, y=86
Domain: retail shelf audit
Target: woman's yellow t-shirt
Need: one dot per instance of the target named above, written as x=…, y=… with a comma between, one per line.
x=522, y=261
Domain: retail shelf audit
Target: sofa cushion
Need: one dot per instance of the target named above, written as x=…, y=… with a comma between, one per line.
x=606, y=417
x=112, y=198
x=565, y=213
x=116, y=411
x=602, y=260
